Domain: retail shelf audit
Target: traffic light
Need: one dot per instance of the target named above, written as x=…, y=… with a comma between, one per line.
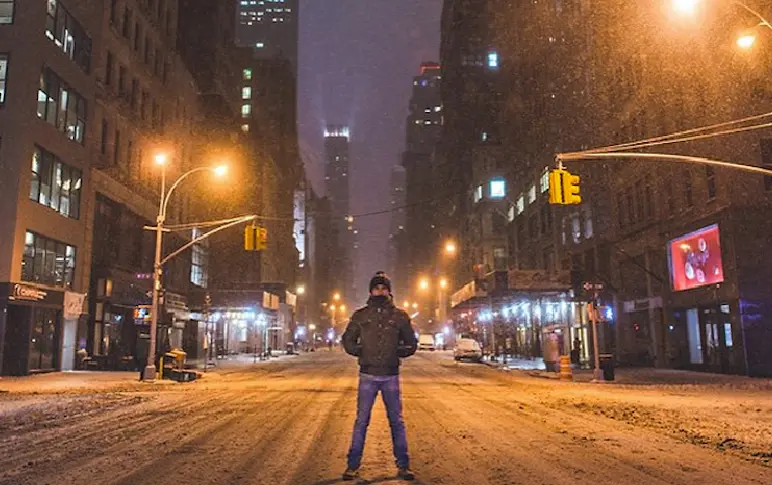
x=564, y=188
x=255, y=238
x=250, y=237
x=262, y=238
x=571, y=189
x=556, y=186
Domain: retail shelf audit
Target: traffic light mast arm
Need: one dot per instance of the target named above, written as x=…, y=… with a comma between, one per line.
x=226, y=223
x=579, y=156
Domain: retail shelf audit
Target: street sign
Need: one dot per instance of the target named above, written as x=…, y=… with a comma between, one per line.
x=593, y=286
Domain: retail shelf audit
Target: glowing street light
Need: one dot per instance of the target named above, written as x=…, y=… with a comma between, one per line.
x=685, y=7
x=332, y=308
x=161, y=159
x=415, y=306
x=406, y=304
x=746, y=41
x=423, y=284
x=336, y=296
x=300, y=290
x=220, y=170
x=343, y=308
x=450, y=248
x=443, y=283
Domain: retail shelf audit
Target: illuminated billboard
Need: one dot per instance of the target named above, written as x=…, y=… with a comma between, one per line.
x=695, y=259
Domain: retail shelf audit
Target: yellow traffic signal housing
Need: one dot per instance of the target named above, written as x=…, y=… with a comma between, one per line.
x=571, y=189
x=262, y=238
x=250, y=237
x=556, y=186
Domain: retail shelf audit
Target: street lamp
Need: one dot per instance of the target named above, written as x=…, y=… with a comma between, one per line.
x=685, y=7
x=444, y=283
x=450, y=248
x=423, y=284
x=336, y=296
x=746, y=41
x=162, y=159
x=301, y=290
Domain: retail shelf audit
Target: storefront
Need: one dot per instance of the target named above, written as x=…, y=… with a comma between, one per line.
x=31, y=329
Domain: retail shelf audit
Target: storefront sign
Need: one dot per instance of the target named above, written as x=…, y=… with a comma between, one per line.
x=73, y=304
x=632, y=306
x=695, y=259
x=28, y=293
x=530, y=280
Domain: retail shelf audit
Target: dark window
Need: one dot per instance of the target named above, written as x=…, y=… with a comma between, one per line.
x=47, y=261
x=137, y=36
x=621, y=210
x=670, y=197
x=113, y=12
x=6, y=11
x=639, y=202
x=533, y=226
x=135, y=92
x=117, y=147
x=630, y=207
x=55, y=184
x=61, y=106
x=109, y=68
x=103, y=140
x=688, y=192
x=126, y=27
x=649, y=197
x=122, y=79
x=546, y=220
x=67, y=34
x=710, y=176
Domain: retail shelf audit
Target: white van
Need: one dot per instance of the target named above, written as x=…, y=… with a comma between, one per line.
x=426, y=342
x=467, y=348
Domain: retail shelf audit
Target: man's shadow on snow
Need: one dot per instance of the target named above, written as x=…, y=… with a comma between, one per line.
x=364, y=481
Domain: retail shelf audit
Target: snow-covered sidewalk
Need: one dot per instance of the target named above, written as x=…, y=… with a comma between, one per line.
x=114, y=381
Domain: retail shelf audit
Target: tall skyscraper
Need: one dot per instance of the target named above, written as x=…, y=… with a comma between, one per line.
x=336, y=147
x=396, y=248
x=423, y=131
x=270, y=27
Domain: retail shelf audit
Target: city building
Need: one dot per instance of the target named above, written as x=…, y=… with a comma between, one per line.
x=336, y=147
x=270, y=27
x=422, y=133
x=397, y=242
x=49, y=130
x=671, y=245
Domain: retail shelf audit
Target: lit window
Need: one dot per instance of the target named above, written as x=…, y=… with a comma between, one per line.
x=484, y=136
x=511, y=214
x=437, y=109
x=246, y=93
x=493, y=60
x=247, y=74
x=3, y=75
x=532, y=194
x=64, y=31
x=55, y=184
x=520, y=205
x=498, y=188
x=545, y=180
x=260, y=45
x=47, y=261
x=245, y=128
x=61, y=106
x=246, y=110
x=6, y=11
x=478, y=193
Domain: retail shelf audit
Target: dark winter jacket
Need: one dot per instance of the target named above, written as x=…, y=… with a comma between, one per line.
x=380, y=334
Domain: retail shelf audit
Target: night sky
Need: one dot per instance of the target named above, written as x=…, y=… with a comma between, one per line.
x=357, y=61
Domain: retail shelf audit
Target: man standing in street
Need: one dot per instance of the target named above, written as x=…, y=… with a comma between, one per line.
x=379, y=335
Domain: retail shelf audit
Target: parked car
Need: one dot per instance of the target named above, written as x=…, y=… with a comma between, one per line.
x=468, y=349
x=426, y=342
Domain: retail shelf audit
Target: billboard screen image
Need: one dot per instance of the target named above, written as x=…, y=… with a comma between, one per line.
x=695, y=259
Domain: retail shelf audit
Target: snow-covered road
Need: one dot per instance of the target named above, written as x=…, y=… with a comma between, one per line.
x=289, y=423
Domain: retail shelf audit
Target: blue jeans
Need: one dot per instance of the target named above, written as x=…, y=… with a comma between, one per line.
x=388, y=386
